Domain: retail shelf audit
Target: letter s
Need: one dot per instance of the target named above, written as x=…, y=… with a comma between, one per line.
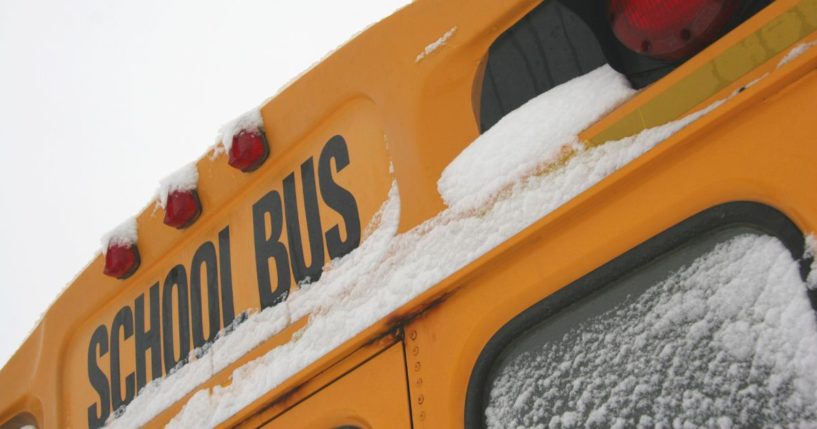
x=338, y=198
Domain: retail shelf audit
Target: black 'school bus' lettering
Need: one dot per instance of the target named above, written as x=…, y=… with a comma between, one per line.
x=225, y=277
x=290, y=257
x=205, y=257
x=269, y=246
x=338, y=198
x=99, y=341
x=123, y=321
x=176, y=277
x=300, y=270
x=155, y=328
x=148, y=339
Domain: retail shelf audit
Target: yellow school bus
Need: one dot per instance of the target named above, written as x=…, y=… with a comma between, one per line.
x=520, y=213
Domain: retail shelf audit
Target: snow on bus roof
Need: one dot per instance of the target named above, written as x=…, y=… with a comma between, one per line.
x=123, y=235
x=342, y=303
x=250, y=120
x=183, y=179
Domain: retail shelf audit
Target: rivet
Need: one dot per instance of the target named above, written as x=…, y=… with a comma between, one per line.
x=413, y=335
x=417, y=366
x=415, y=350
x=421, y=399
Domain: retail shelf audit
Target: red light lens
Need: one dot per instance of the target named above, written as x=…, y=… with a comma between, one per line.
x=249, y=150
x=669, y=29
x=182, y=208
x=121, y=261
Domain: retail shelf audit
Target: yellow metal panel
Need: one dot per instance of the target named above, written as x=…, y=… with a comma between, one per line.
x=418, y=117
x=764, y=152
x=373, y=395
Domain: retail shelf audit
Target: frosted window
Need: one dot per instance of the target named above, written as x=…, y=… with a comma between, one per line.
x=718, y=334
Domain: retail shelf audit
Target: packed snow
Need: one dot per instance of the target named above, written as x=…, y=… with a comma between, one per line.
x=435, y=45
x=343, y=302
x=250, y=120
x=183, y=179
x=727, y=341
x=796, y=52
x=123, y=235
x=537, y=134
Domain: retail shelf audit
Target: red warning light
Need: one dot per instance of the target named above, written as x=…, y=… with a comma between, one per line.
x=182, y=208
x=669, y=29
x=121, y=261
x=249, y=150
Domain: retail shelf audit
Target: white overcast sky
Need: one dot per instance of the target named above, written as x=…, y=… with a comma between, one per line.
x=100, y=99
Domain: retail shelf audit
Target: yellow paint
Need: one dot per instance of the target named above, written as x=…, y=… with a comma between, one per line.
x=418, y=117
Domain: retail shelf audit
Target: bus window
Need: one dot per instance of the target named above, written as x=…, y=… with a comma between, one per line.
x=719, y=332
x=560, y=40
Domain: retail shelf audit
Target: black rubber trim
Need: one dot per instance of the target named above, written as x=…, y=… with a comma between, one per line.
x=742, y=213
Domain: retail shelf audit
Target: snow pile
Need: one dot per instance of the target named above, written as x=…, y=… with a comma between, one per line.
x=184, y=179
x=435, y=45
x=250, y=120
x=243, y=336
x=728, y=341
x=345, y=300
x=541, y=132
x=796, y=52
x=123, y=235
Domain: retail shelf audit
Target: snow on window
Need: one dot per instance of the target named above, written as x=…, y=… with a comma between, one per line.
x=184, y=179
x=435, y=45
x=123, y=235
x=811, y=252
x=344, y=301
x=728, y=341
x=539, y=133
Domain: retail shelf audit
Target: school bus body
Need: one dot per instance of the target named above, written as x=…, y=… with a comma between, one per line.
x=412, y=368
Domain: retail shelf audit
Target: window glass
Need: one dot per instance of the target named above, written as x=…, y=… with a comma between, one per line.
x=719, y=333
x=548, y=47
x=558, y=41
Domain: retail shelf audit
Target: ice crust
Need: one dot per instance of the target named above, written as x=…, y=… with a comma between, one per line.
x=538, y=133
x=183, y=179
x=123, y=235
x=387, y=271
x=727, y=341
x=428, y=50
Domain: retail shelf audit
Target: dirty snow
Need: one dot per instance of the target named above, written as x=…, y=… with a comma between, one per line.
x=796, y=52
x=435, y=45
x=727, y=341
x=184, y=179
x=250, y=120
x=344, y=302
x=536, y=134
x=123, y=235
